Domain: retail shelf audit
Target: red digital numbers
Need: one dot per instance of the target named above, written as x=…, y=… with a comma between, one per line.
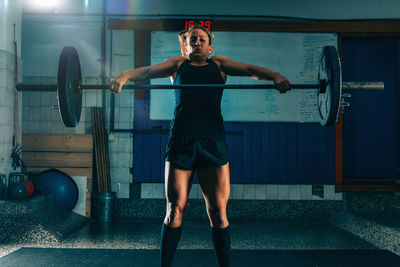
x=203, y=23
x=207, y=24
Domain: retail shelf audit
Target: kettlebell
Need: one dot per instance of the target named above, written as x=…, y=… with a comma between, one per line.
x=17, y=188
x=3, y=186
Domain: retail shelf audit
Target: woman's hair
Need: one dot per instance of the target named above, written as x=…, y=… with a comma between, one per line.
x=182, y=35
x=182, y=40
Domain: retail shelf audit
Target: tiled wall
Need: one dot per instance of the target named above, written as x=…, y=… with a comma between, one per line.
x=253, y=191
x=41, y=115
x=7, y=109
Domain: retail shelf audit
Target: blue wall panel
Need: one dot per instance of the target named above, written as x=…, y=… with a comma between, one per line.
x=371, y=145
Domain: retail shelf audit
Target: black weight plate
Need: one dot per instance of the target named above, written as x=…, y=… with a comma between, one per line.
x=329, y=101
x=68, y=88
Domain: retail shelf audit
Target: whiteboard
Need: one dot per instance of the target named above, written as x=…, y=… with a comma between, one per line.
x=294, y=55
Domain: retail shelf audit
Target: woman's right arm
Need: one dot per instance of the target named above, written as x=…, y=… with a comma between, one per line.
x=161, y=70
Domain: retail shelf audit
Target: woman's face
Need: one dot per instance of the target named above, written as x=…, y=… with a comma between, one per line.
x=198, y=44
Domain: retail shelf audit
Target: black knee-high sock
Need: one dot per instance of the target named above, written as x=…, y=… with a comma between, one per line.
x=222, y=245
x=169, y=241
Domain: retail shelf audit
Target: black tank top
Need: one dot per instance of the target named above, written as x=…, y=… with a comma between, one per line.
x=198, y=111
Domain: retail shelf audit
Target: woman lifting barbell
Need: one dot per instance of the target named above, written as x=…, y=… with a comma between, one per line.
x=197, y=135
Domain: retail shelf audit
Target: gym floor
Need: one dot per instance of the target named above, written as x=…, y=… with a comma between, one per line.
x=256, y=242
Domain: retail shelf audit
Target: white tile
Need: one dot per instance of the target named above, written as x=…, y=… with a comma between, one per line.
x=124, y=125
x=130, y=142
x=55, y=114
x=3, y=60
x=34, y=127
x=35, y=113
x=3, y=77
x=305, y=192
x=158, y=191
x=261, y=191
x=113, y=146
x=249, y=191
x=124, y=144
x=45, y=113
x=124, y=160
x=124, y=115
x=45, y=99
x=68, y=130
x=237, y=191
x=80, y=128
x=126, y=173
x=57, y=127
x=25, y=113
x=53, y=98
x=45, y=127
x=34, y=100
x=272, y=191
x=82, y=117
x=26, y=97
x=4, y=115
x=123, y=191
x=294, y=192
x=114, y=187
x=125, y=100
x=146, y=190
x=114, y=160
x=25, y=127
x=91, y=99
x=88, y=114
x=91, y=80
x=99, y=98
x=283, y=191
x=116, y=114
x=114, y=173
x=329, y=191
x=2, y=96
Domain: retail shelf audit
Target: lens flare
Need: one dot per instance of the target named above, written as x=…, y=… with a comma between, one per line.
x=44, y=4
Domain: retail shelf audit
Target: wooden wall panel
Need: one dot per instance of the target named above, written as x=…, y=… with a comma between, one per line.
x=57, y=159
x=58, y=142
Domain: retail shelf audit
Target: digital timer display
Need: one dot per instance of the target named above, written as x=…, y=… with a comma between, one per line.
x=203, y=23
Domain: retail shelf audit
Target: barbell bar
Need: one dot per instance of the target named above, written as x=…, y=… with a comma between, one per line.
x=69, y=86
x=346, y=86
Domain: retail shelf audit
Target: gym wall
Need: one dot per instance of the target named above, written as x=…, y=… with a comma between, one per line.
x=47, y=34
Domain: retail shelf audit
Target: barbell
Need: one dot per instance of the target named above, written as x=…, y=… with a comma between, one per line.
x=69, y=86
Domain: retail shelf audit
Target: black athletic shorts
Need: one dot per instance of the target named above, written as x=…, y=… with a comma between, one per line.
x=196, y=153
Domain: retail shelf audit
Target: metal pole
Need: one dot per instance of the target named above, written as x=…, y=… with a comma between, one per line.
x=199, y=86
x=345, y=86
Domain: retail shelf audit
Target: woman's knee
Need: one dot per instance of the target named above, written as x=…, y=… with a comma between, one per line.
x=217, y=216
x=174, y=215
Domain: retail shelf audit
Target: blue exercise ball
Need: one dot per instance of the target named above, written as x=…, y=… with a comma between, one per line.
x=62, y=186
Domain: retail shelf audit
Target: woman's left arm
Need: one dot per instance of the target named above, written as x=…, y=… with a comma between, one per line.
x=236, y=68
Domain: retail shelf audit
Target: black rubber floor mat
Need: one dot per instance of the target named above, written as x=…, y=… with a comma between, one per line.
x=193, y=258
